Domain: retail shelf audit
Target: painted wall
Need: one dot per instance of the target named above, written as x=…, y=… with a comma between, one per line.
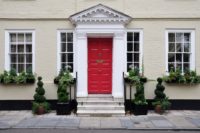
x=65, y=8
x=46, y=45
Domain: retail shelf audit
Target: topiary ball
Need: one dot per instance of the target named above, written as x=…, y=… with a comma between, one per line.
x=159, y=80
x=39, y=78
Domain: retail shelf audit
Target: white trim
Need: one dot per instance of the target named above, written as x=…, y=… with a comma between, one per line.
x=140, y=48
x=192, y=58
x=7, y=45
x=59, y=31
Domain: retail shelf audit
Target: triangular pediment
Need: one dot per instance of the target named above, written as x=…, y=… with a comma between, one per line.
x=100, y=14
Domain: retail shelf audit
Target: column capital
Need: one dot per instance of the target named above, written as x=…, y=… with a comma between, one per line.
x=81, y=35
x=119, y=35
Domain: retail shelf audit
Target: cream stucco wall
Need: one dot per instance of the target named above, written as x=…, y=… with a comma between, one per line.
x=65, y=8
x=153, y=55
x=47, y=16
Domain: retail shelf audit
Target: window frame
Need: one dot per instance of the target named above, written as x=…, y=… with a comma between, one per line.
x=140, y=48
x=7, y=46
x=192, y=57
x=59, y=49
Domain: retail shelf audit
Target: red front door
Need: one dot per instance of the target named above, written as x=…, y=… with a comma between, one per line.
x=99, y=65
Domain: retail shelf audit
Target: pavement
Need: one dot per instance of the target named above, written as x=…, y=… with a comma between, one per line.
x=172, y=120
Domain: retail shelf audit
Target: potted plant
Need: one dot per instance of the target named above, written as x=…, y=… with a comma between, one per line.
x=63, y=105
x=176, y=76
x=11, y=77
x=141, y=105
x=40, y=105
x=161, y=102
x=30, y=78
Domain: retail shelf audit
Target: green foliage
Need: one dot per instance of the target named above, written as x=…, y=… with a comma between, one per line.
x=139, y=95
x=175, y=76
x=39, y=98
x=135, y=77
x=65, y=79
x=65, y=76
x=11, y=76
x=36, y=106
x=21, y=78
x=160, y=98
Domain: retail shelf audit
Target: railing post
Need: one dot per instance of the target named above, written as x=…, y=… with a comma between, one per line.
x=124, y=87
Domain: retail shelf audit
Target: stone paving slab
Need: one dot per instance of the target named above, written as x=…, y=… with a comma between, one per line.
x=162, y=124
x=194, y=121
x=90, y=123
x=180, y=122
x=4, y=125
x=109, y=123
x=170, y=120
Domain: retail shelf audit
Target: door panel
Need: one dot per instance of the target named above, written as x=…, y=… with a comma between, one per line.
x=99, y=65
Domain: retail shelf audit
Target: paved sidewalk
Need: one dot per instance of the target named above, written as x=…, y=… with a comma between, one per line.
x=184, y=120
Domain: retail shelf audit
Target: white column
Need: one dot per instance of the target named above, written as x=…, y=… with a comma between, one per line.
x=81, y=46
x=118, y=65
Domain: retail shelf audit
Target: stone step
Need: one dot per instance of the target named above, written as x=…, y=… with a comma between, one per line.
x=101, y=113
x=100, y=107
x=100, y=95
x=101, y=102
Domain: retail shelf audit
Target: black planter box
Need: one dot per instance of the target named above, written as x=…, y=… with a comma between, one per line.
x=140, y=109
x=63, y=108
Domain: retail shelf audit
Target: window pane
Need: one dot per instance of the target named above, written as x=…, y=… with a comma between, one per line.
x=129, y=46
x=28, y=48
x=13, y=48
x=178, y=47
x=171, y=37
x=21, y=58
x=179, y=37
x=28, y=66
x=129, y=57
x=28, y=37
x=129, y=66
x=13, y=66
x=69, y=37
x=171, y=47
x=136, y=47
x=29, y=58
x=63, y=47
x=187, y=37
x=186, y=47
x=63, y=37
x=13, y=37
x=20, y=37
x=179, y=66
x=63, y=58
x=13, y=58
x=171, y=66
x=71, y=67
x=186, y=58
x=178, y=57
x=171, y=57
x=70, y=57
x=20, y=48
x=186, y=67
x=129, y=36
x=136, y=65
x=136, y=57
x=136, y=36
x=63, y=65
x=20, y=68
x=69, y=47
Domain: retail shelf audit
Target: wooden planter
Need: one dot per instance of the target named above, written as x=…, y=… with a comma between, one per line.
x=140, y=109
x=63, y=108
